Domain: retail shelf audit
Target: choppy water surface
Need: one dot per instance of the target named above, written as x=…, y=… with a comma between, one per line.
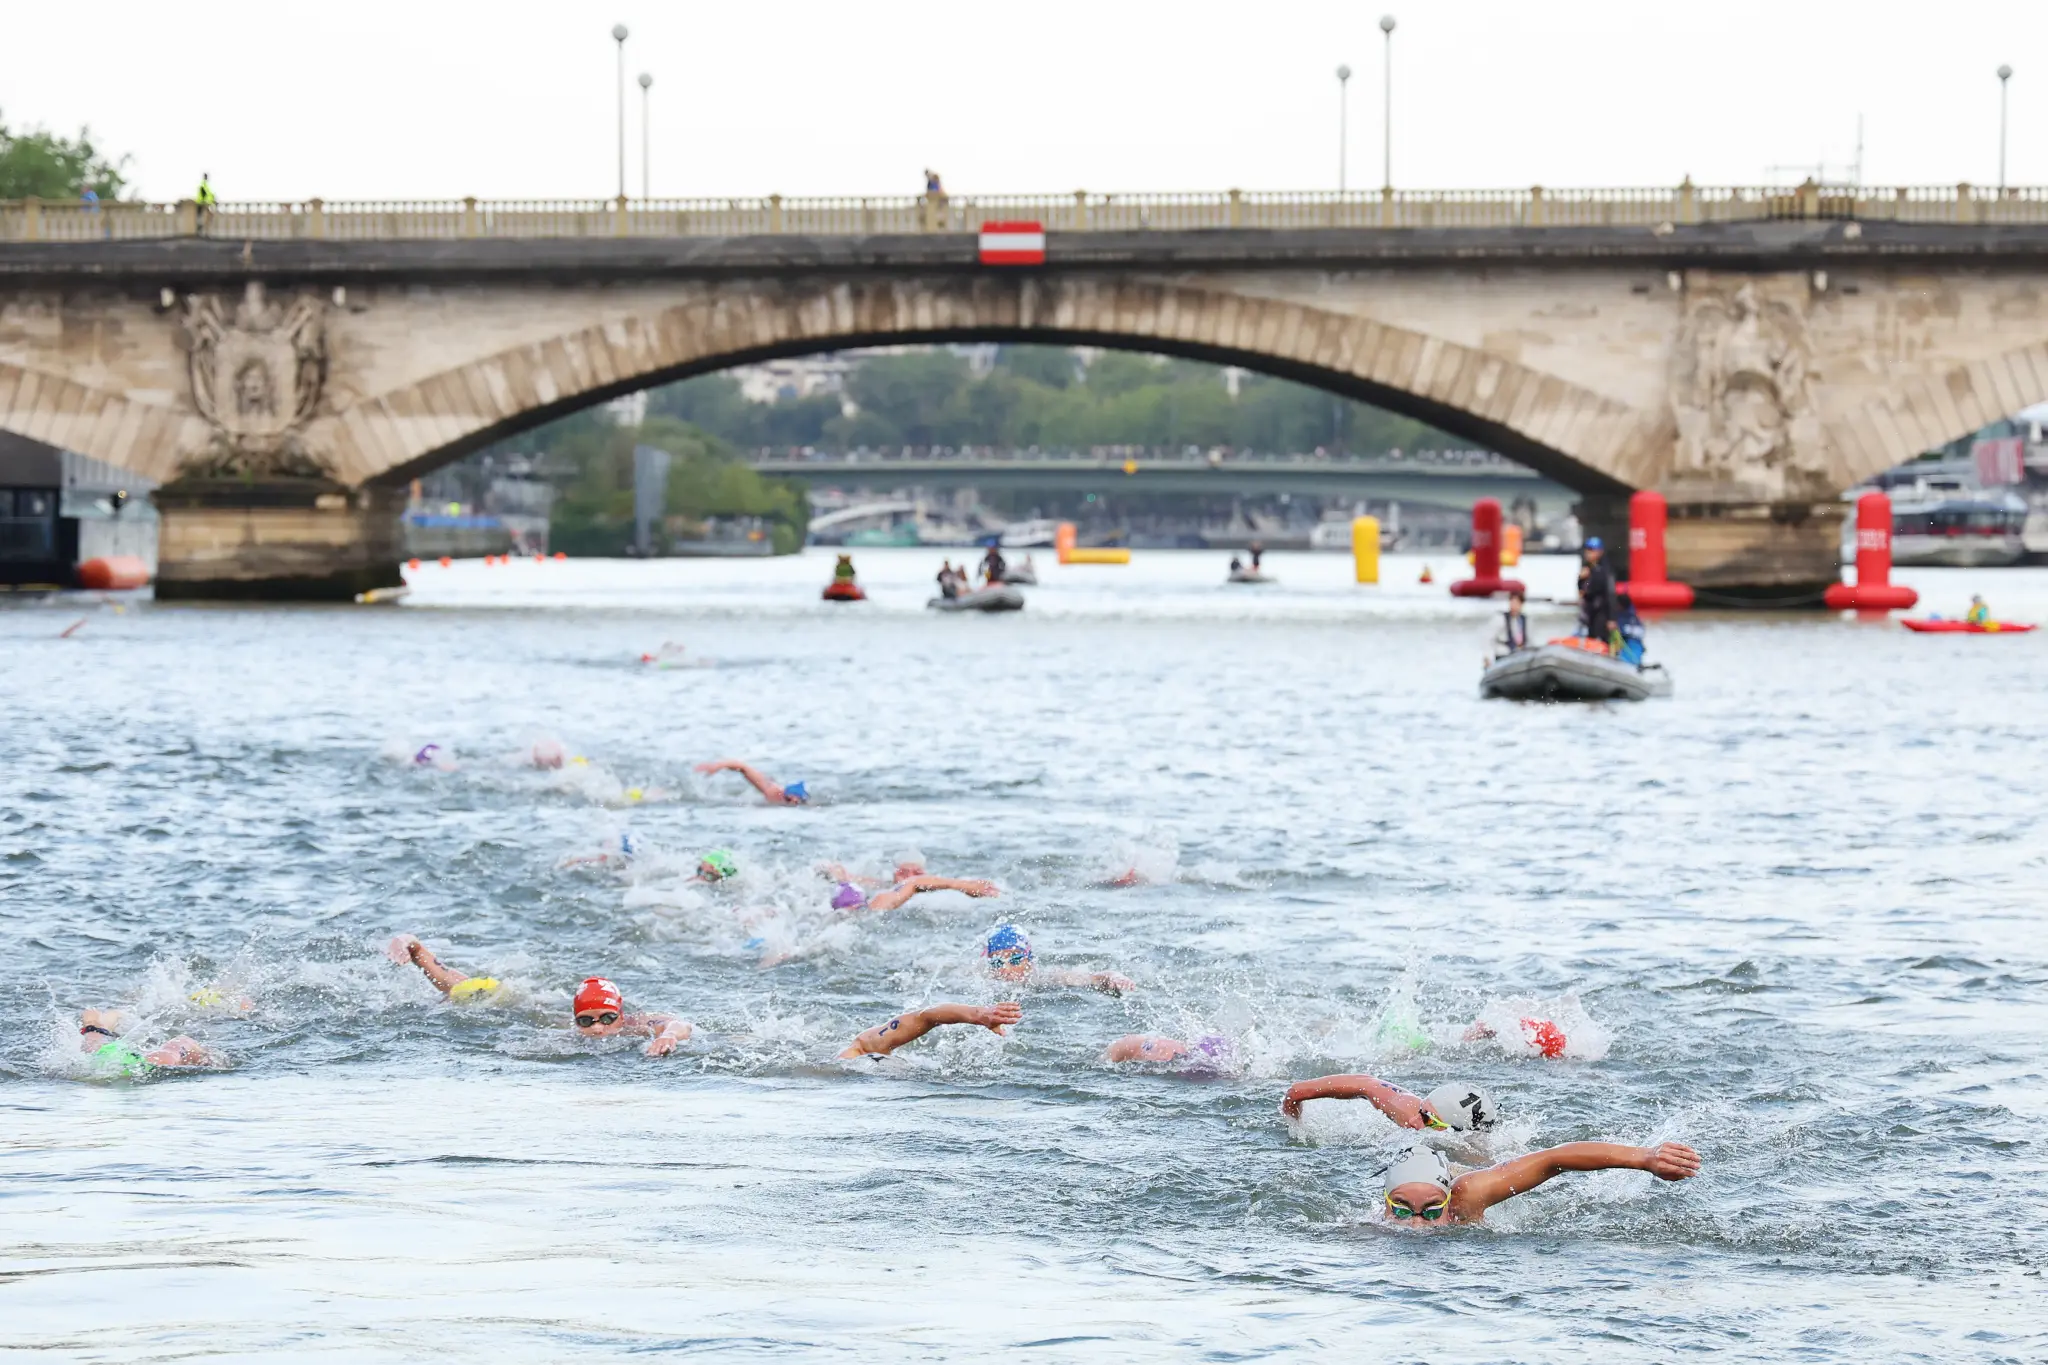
x=1793, y=917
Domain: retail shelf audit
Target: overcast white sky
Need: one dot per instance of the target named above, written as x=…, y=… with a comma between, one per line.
x=285, y=99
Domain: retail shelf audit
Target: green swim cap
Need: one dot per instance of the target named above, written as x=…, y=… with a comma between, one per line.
x=721, y=862
x=474, y=988
x=121, y=1059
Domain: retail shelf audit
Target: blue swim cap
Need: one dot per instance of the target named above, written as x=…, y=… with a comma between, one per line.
x=627, y=847
x=1595, y=543
x=1003, y=938
x=795, y=791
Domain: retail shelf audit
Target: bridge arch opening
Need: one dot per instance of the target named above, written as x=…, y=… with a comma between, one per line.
x=1450, y=419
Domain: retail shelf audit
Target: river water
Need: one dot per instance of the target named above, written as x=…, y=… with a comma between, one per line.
x=1792, y=916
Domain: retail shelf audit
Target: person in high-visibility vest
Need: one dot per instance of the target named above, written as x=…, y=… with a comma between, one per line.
x=204, y=198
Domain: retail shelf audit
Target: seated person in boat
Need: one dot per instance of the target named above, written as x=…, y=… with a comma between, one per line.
x=842, y=572
x=993, y=566
x=1978, y=613
x=1236, y=564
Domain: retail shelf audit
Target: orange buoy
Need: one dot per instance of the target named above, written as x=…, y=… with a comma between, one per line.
x=540, y=559
x=560, y=555
x=412, y=564
x=113, y=573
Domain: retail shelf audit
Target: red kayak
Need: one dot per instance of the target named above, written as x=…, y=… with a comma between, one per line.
x=1932, y=627
x=844, y=590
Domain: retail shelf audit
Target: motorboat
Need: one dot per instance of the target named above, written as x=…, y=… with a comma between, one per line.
x=1560, y=671
x=994, y=597
x=844, y=590
x=1935, y=625
x=1022, y=574
x=1251, y=576
x=1037, y=534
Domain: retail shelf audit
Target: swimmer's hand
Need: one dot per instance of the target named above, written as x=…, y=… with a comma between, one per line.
x=1671, y=1161
x=996, y=1018
x=402, y=947
x=672, y=1032
x=1112, y=983
x=977, y=887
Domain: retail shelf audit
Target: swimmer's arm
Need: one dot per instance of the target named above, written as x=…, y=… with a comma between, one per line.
x=901, y=893
x=1391, y=1100
x=911, y=1025
x=181, y=1051
x=1473, y=1193
x=753, y=775
x=668, y=1031
x=407, y=948
x=1109, y=983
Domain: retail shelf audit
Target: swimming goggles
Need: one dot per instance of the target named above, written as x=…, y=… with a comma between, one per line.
x=1430, y=1120
x=605, y=1018
x=1010, y=957
x=1428, y=1213
x=95, y=1028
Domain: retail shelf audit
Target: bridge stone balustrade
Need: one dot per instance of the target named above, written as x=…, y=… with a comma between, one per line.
x=1751, y=370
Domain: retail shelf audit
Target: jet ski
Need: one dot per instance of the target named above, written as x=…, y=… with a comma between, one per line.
x=844, y=590
x=1561, y=671
x=995, y=597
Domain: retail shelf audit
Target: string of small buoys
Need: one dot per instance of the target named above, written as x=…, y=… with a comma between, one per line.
x=491, y=561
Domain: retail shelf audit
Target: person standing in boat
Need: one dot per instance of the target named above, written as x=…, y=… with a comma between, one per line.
x=993, y=567
x=1514, y=629
x=1596, y=594
x=1258, y=553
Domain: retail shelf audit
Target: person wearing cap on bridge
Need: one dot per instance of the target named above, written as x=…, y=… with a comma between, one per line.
x=795, y=794
x=1596, y=594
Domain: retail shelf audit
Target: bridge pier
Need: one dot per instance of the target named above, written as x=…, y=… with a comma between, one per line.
x=1736, y=554
x=276, y=539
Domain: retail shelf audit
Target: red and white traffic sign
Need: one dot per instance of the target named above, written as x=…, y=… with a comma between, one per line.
x=1013, y=244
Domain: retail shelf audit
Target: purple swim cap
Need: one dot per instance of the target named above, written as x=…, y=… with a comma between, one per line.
x=1214, y=1045
x=848, y=896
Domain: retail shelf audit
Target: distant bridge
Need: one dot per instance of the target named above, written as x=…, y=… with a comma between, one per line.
x=1365, y=478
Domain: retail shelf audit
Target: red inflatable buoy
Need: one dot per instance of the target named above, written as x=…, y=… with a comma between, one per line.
x=1485, y=580
x=1873, y=589
x=113, y=573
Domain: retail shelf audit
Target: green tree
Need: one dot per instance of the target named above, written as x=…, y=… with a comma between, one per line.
x=41, y=165
x=919, y=395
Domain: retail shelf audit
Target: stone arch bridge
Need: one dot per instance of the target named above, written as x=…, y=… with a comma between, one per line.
x=285, y=391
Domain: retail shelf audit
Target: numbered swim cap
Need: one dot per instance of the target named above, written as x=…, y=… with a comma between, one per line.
x=1008, y=940
x=597, y=993
x=720, y=863
x=1421, y=1166
x=1463, y=1107
x=474, y=988
x=797, y=792
x=848, y=897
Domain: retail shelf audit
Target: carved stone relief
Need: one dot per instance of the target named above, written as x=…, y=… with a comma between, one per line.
x=257, y=376
x=1742, y=394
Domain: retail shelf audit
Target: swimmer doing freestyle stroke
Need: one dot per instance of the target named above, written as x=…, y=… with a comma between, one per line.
x=795, y=794
x=1420, y=1191
x=1008, y=957
x=861, y=893
x=1459, y=1107
x=598, y=1011
x=99, y=1034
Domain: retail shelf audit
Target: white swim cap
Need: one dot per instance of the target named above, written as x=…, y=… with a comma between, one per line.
x=1464, y=1107
x=1422, y=1166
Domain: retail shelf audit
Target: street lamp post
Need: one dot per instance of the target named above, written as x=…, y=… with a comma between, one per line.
x=1387, y=119
x=2004, y=77
x=619, y=37
x=1343, y=125
x=646, y=180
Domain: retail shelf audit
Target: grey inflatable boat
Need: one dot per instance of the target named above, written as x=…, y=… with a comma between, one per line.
x=1562, y=673
x=1002, y=597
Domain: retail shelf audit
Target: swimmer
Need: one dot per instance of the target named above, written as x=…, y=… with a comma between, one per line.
x=545, y=753
x=1542, y=1034
x=794, y=794
x=434, y=756
x=451, y=983
x=1009, y=957
x=99, y=1033
x=908, y=865
x=849, y=897
x=908, y=1027
x=1464, y=1108
x=716, y=866
x=1419, y=1191
x=1208, y=1055
x=620, y=849
x=600, y=1012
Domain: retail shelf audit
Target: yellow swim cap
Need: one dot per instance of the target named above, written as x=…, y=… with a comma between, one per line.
x=580, y=761
x=208, y=997
x=634, y=794
x=474, y=988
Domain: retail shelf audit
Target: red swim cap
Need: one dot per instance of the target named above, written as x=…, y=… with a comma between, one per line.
x=597, y=993
x=1544, y=1036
